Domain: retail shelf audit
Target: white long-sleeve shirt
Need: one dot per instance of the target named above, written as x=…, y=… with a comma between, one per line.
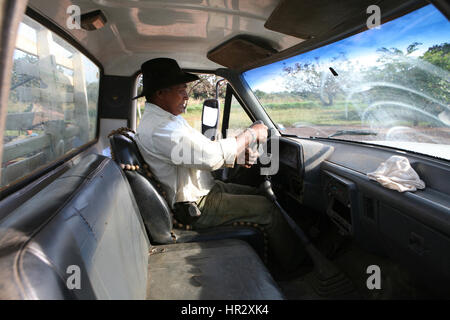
x=179, y=156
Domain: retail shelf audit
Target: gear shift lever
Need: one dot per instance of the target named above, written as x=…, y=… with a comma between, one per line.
x=328, y=280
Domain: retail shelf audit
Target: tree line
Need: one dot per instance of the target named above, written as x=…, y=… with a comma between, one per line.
x=426, y=75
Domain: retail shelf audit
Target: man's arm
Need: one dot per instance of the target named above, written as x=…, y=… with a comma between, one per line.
x=192, y=149
x=256, y=133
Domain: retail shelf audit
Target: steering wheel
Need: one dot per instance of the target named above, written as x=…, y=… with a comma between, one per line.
x=233, y=173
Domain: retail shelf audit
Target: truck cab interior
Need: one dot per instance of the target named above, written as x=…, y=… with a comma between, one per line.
x=343, y=86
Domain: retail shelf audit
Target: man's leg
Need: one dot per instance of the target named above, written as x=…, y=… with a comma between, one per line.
x=228, y=203
x=234, y=188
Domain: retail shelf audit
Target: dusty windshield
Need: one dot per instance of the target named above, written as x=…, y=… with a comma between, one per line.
x=387, y=86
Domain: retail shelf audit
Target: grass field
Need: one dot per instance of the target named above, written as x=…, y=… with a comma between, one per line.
x=286, y=113
x=299, y=114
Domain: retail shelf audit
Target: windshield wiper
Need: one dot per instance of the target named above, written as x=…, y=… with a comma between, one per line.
x=353, y=133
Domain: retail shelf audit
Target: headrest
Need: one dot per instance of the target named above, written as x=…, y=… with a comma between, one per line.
x=124, y=150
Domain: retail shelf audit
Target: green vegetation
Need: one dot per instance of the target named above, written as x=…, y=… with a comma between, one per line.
x=397, y=87
x=282, y=112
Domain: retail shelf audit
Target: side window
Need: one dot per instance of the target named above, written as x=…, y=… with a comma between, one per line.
x=239, y=119
x=198, y=91
x=52, y=107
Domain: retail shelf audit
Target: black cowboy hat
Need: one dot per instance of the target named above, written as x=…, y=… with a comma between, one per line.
x=162, y=73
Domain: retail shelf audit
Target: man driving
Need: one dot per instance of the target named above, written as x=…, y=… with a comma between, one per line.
x=182, y=160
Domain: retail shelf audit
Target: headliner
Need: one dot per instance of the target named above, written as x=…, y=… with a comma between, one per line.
x=186, y=30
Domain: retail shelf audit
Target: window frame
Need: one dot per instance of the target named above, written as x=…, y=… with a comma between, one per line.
x=227, y=108
x=51, y=166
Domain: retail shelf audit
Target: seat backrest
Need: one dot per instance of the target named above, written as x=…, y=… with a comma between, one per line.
x=155, y=211
x=85, y=225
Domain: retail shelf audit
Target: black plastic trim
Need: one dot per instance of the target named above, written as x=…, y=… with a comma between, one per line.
x=226, y=110
x=415, y=205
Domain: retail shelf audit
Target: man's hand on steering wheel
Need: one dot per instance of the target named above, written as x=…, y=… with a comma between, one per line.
x=248, y=141
x=251, y=157
x=260, y=131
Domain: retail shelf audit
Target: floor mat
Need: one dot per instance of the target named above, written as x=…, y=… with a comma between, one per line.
x=306, y=288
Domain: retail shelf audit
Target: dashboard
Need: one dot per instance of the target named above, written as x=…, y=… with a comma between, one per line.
x=289, y=179
x=412, y=228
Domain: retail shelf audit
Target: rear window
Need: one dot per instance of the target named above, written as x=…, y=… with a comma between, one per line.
x=52, y=106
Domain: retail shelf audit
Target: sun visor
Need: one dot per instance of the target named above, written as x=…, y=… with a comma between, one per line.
x=240, y=52
x=309, y=19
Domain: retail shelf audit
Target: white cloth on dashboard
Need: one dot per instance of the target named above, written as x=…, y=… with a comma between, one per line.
x=396, y=173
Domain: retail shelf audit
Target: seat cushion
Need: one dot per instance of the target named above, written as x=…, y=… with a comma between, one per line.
x=214, y=270
x=251, y=235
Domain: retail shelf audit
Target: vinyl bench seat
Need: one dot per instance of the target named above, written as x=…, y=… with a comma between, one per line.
x=215, y=270
x=88, y=218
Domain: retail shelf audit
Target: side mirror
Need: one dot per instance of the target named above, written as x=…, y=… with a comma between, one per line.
x=210, y=118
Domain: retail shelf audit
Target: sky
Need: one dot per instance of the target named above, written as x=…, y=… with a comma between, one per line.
x=426, y=25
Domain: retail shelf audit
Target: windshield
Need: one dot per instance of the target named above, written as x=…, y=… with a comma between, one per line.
x=387, y=86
